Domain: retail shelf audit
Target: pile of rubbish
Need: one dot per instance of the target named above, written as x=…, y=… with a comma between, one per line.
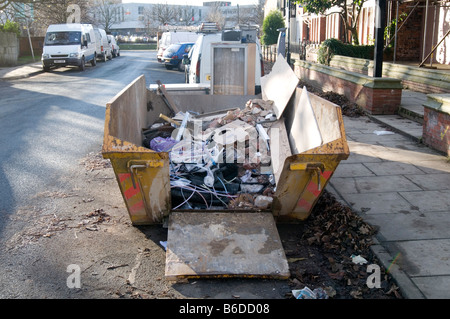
x=218, y=160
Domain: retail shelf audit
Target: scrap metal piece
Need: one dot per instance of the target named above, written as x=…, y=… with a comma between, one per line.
x=167, y=98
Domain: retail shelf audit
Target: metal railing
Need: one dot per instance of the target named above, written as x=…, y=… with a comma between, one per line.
x=296, y=49
x=269, y=53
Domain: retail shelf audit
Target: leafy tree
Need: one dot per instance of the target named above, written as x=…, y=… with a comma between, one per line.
x=10, y=26
x=273, y=21
x=349, y=12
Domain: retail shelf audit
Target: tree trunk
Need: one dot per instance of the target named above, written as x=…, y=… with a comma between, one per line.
x=345, y=24
x=354, y=32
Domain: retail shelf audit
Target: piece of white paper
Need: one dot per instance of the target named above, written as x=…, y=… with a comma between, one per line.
x=383, y=132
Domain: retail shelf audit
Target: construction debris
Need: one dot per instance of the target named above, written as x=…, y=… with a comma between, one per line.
x=218, y=160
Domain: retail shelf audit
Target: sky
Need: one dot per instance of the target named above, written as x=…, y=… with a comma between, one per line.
x=190, y=2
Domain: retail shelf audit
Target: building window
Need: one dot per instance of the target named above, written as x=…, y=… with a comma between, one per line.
x=140, y=10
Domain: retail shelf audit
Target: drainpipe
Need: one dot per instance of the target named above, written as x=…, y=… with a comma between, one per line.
x=425, y=30
x=395, y=35
x=380, y=23
x=432, y=38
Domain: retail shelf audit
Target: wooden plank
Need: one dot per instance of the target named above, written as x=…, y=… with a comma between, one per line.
x=251, y=55
x=230, y=244
x=170, y=103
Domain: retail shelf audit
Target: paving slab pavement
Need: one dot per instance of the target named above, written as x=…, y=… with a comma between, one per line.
x=403, y=188
x=22, y=71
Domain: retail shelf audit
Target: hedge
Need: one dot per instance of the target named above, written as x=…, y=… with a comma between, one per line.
x=330, y=47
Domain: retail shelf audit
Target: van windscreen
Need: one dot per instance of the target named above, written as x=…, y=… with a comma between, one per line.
x=63, y=38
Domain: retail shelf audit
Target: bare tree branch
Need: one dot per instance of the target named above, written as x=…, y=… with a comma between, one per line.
x=105, y=14
x=163, y=13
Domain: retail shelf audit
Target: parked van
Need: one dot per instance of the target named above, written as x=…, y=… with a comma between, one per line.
x=229, y=56
x=115, y=49
x=104, y=51
x=69, y=44
x=174, y=37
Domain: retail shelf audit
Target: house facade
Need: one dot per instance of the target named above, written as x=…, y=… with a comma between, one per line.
x=423, y=25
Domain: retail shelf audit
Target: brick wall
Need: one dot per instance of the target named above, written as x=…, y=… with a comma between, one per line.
x=374, y=100
x=424, y=87
x=436, y=130
x=409, y=37
x=382, y=101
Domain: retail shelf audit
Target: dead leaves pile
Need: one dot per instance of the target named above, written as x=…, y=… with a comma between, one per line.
x=349, y=109
x=94, y=218
x=45, y=226
x=337, y=232
x=337, y=228
x=48, y=225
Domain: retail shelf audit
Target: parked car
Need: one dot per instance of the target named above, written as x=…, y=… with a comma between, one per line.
x=103, y=47
x=173, y=37
x=115, y=49
x=173, y=55
x=69, y=44
x=186, y=62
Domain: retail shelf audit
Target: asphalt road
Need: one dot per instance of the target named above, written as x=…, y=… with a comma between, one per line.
x=49, y=121
x=64, y=228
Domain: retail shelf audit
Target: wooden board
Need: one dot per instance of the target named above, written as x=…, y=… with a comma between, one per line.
x=230, y=244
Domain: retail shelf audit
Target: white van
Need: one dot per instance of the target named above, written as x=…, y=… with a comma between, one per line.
x=104, y=51
x=115, y=48
x=174, y=37
x=209, y=54
x=69, y=44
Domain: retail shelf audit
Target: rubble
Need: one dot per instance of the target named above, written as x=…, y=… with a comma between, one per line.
x=218, y=160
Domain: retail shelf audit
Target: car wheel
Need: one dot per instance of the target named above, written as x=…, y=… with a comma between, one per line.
x=82, y=65
x=46, y=68
x=180, y=66
x=169, y=67
x=118, y=53
x=94, y=60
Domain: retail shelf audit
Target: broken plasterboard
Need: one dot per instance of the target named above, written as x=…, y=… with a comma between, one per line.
x=279, y=85
x=306, y=134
